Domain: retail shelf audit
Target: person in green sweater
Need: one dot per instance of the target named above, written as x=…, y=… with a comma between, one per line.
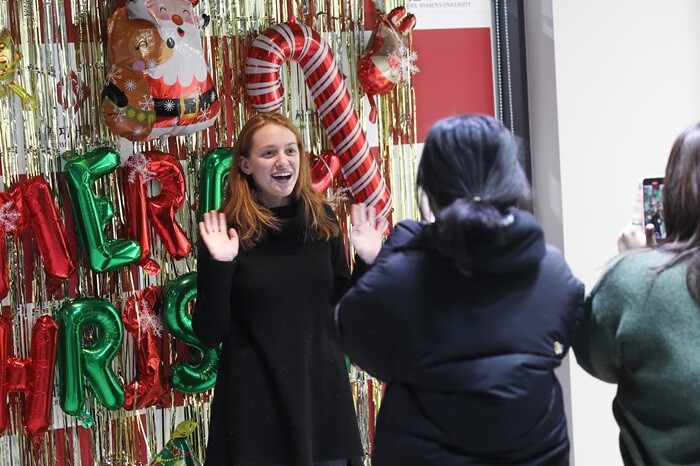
x=641, y=324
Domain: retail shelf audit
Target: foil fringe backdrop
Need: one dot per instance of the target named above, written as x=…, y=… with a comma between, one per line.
x=63, y=54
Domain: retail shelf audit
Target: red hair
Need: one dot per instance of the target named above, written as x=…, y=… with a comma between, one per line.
x=242, y=207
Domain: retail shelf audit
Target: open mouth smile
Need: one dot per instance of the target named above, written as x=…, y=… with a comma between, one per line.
x=282, y=176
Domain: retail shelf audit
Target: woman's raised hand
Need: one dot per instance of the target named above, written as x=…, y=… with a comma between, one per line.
x=221, y=241
x=367, y=232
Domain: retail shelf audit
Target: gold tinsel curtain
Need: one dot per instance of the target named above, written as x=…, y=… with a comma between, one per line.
x=63, y=67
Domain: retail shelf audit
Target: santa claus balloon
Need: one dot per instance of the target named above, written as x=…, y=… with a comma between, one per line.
x=158, y=82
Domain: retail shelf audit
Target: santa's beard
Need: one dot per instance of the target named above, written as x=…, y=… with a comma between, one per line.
x=187, y=62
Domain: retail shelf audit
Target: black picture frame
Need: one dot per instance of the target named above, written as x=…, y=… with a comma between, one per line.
x=510, y=69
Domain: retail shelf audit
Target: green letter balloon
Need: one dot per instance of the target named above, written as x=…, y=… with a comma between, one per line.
x=212, y=178
x=89, y=365
x=93, y=213
x=185, y=377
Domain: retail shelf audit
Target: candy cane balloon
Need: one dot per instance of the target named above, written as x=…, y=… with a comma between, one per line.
x=298, y=42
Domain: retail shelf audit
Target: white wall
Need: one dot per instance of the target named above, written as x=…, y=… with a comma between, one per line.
x=611, y=84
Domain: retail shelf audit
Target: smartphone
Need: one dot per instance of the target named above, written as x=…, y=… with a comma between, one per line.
x=652, y=196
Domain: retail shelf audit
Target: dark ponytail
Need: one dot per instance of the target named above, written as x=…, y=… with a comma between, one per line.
x=471, y=173
x=463, y=223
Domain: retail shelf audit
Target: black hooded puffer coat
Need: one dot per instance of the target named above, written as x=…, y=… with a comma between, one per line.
x=469, y=361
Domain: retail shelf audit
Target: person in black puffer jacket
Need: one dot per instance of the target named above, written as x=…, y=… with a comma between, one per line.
x=466, y=318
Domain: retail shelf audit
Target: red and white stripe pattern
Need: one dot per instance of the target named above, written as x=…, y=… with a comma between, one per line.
x=292, y=41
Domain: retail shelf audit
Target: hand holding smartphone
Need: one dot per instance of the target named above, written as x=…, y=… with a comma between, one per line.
x=652, y=198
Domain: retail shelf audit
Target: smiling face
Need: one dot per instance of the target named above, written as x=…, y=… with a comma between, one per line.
x=273, y=163
x=177, y=11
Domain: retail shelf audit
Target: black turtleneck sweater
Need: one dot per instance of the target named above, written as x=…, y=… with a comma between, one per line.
x=282, y=392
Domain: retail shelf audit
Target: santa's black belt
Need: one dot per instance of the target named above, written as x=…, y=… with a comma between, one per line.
x=184, y=107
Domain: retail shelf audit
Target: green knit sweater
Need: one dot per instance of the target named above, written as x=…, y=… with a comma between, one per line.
x=641, y=330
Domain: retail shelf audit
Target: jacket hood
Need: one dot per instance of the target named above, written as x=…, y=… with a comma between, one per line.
x=521, y=245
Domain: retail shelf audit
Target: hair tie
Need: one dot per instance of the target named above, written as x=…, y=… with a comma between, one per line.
x=476, y=199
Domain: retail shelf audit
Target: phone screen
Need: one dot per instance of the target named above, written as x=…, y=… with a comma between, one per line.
x=652, y=192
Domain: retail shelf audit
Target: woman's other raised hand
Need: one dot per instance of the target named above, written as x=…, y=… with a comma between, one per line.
x=367, y=233
x=221, y=241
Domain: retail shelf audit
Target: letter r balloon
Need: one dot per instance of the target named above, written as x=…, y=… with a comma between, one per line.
x=159, y=210
x=88, y=366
